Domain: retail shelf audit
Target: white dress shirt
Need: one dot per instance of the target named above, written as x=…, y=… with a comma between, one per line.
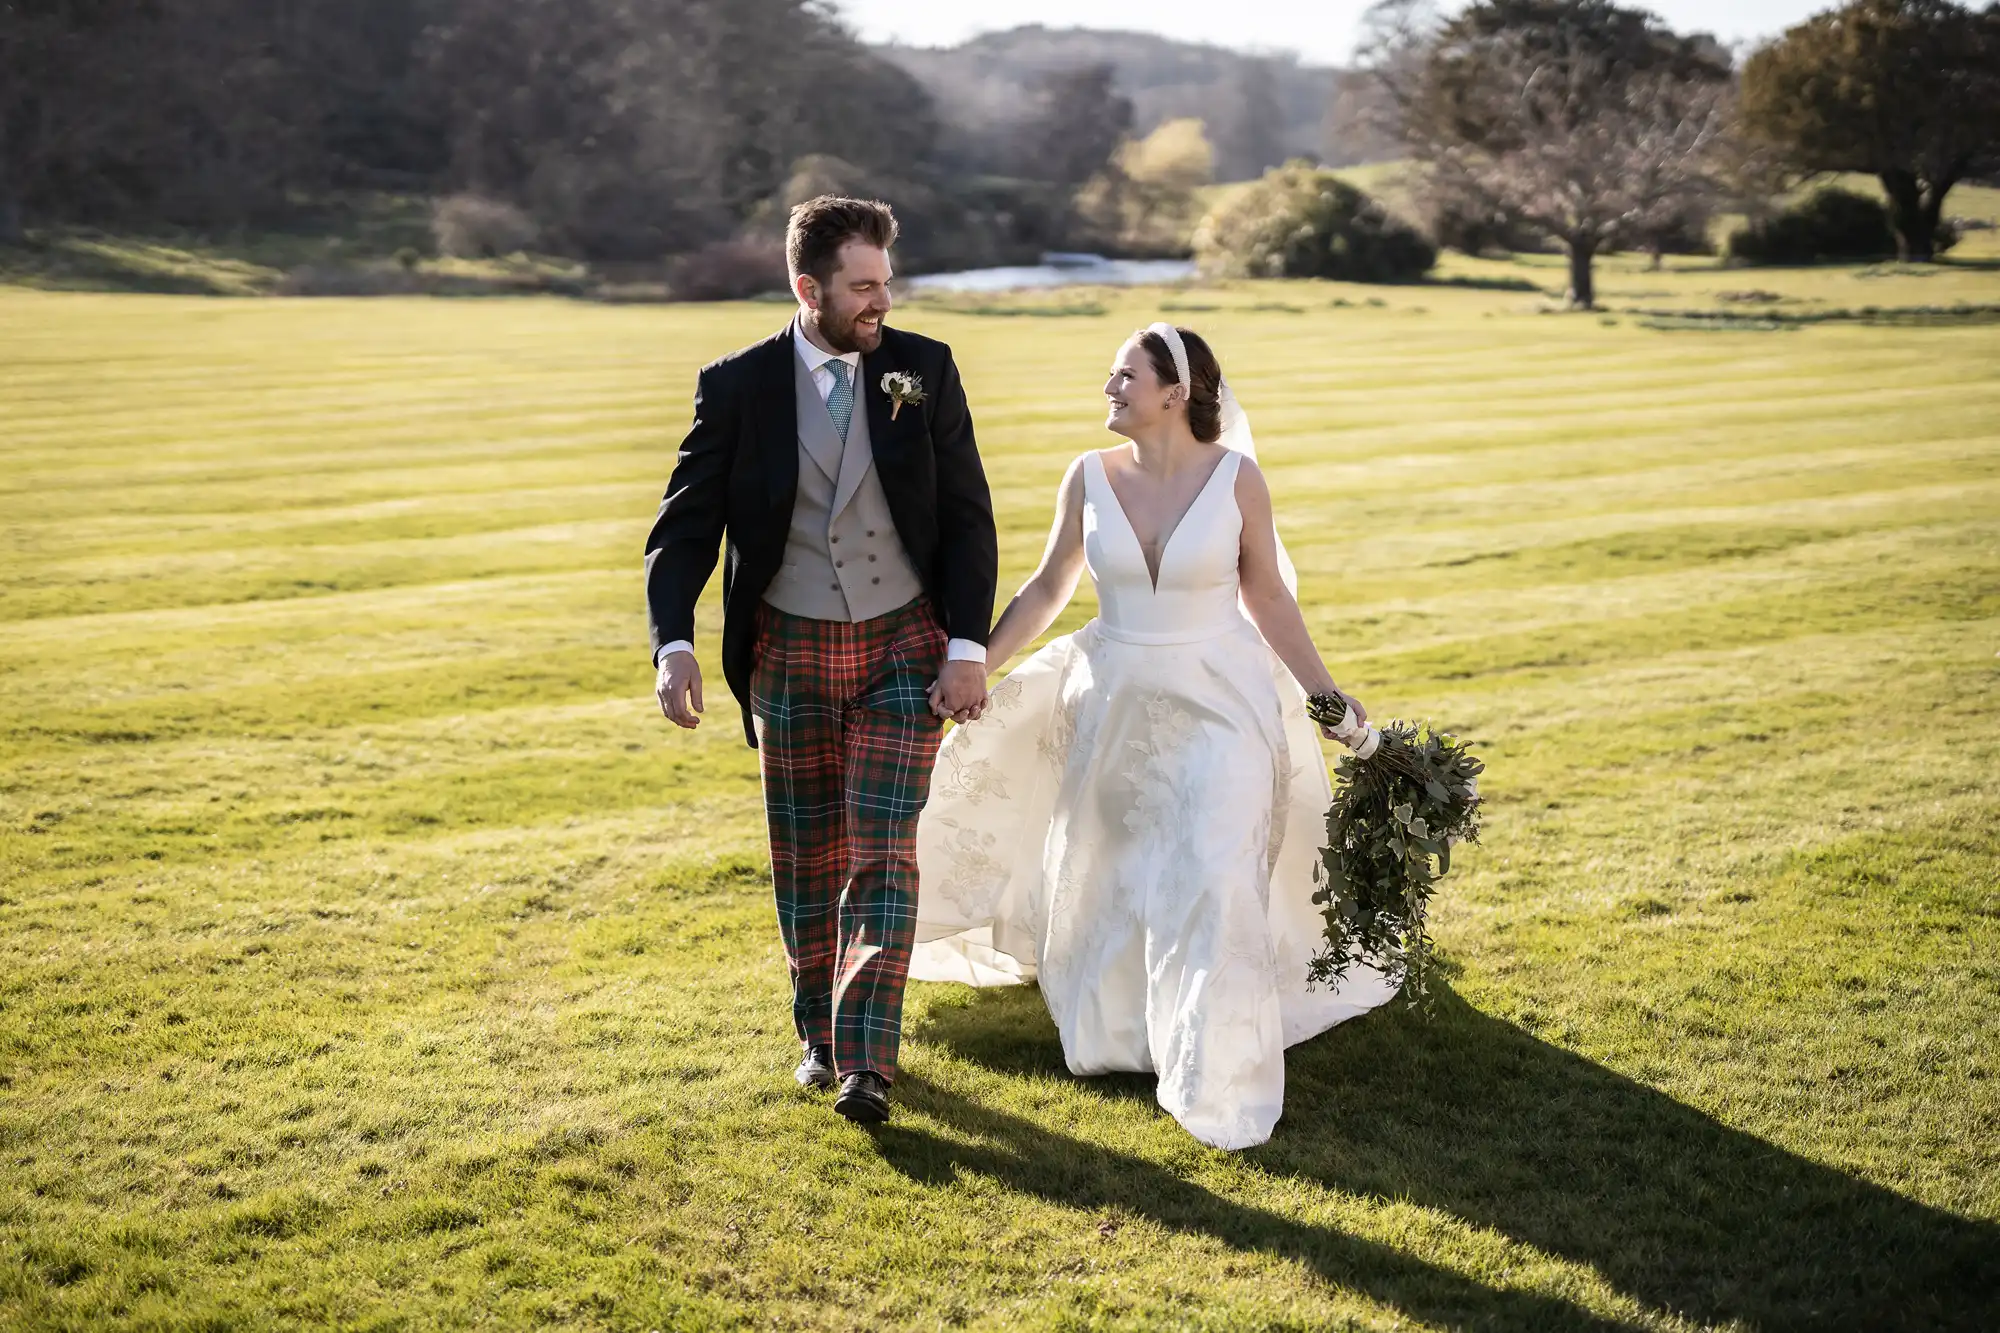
x=815, y=358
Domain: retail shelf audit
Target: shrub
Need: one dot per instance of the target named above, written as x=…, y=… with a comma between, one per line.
x=1302, y=222
x=471, y=226
x=1829, y=225
x=729, y=270
x=1684, y=233
x=1465, y=226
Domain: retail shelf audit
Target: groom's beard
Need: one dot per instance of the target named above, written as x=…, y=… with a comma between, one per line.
x=845, y=334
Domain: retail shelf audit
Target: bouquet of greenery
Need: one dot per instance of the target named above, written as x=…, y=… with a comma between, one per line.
x=1403, y=797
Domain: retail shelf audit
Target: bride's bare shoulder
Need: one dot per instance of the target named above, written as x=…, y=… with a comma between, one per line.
x=1108, y=460
x=1070, y=493
x=1250, y=483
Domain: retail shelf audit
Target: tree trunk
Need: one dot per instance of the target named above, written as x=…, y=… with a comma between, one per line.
x=1582, y=290
x=1933, y=210
x=11, y=231
x=1915, y=227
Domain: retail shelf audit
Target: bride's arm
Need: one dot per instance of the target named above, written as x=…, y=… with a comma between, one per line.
x=1048, y=591
x=1270, y=603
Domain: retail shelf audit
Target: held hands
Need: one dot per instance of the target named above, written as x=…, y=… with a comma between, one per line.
x=679, y=689
x=960, y=692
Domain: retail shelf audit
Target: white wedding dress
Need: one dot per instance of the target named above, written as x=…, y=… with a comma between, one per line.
x=1134, y=825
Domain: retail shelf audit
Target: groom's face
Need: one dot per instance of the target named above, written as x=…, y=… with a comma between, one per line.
x=850, y=305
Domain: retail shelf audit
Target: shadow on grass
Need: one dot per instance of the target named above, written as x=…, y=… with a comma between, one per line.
x=1489, y=284
x=1475, y=1117
x=1035, y=1160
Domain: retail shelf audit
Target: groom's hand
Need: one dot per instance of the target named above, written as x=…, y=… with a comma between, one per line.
x=960, y=692
x=679, y=689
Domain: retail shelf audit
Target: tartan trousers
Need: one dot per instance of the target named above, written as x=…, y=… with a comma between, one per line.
x=846, y=738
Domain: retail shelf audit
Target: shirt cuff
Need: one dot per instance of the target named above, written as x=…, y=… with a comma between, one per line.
x=965, y=650
x=677, y=646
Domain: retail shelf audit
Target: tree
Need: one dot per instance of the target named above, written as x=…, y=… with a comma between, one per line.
x=1589, y=123
x=1361, y=124
x=1081, y=119
x=1251, y=135
x=632, y=129
x=1147, y=198
x=1905, y=90
x=207, y=113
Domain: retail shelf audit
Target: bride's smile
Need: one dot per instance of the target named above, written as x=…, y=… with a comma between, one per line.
x=1136, y=403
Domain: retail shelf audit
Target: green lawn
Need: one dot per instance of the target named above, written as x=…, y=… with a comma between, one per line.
x=373, y=955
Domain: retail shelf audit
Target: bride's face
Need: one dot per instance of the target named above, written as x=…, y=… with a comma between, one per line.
x=1137, y=400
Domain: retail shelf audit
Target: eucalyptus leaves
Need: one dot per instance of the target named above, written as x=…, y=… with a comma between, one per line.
x=1389, y=835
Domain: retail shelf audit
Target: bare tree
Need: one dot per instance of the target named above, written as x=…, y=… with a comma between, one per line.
x=1586, y=152
x=1572, y=119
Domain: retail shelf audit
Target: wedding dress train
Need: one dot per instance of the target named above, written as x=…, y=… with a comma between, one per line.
x=1134, y=823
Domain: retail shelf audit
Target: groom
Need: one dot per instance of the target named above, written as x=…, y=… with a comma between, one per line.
x=836, y=458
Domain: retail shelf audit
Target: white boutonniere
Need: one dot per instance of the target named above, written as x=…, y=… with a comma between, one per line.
x=902, y=387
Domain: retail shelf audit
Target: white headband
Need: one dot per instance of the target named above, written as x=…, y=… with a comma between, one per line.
x=1172, y=337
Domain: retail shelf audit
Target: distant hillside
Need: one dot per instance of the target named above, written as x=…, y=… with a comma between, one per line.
x=1259, y=110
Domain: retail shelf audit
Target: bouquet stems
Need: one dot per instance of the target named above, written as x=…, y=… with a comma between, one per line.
x=1405, y=795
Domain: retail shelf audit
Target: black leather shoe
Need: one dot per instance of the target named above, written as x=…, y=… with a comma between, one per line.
x=864, y=1098
x=816, y=1070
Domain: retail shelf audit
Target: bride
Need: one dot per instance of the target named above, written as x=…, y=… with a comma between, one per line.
x=1134, y=821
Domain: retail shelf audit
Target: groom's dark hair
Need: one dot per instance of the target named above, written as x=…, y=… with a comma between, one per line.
x=819, y=227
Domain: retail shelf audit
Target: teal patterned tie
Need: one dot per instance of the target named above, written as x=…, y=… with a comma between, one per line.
x=840, y=403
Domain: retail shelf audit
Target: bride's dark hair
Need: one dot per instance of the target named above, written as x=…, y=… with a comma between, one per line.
x=1205, y=394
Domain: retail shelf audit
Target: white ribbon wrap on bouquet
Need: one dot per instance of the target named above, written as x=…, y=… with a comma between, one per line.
x=1359, y=737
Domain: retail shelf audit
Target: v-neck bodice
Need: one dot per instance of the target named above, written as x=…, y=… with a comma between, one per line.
x=1196, y=596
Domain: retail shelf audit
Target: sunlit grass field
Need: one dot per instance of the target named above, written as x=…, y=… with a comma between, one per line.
x=372, y=954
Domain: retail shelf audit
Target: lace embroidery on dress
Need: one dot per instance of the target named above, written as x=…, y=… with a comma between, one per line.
x=1058, y=738
x=975, y=876
x=1006, y=696
x=1168, y=727
x=970, y=780
x=1283, y=774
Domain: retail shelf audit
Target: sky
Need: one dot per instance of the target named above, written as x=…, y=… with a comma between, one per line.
x=1321, y=31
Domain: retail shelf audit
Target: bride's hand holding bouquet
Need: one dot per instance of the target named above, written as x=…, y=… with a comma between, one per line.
x=1403, y=797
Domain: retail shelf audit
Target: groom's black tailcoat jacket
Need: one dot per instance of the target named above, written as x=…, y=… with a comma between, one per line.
x=737, y=477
